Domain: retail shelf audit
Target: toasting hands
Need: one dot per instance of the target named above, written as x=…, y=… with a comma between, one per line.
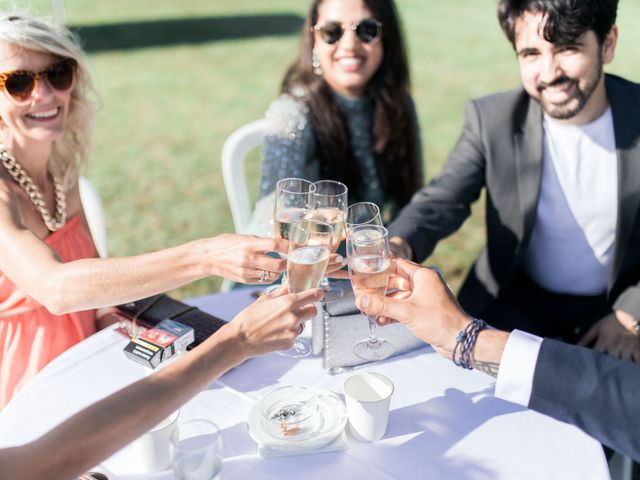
x=422, y=301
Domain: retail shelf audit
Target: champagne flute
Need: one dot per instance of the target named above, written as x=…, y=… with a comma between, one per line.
x=363, y=213
x=294, y=201
x=369, y=262
x=309, y=250
x=330, y=206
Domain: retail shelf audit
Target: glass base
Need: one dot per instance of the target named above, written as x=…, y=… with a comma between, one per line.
x=300, y=348
x=373, y=349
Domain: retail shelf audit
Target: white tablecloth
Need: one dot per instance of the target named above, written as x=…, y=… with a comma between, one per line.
x=444, y=421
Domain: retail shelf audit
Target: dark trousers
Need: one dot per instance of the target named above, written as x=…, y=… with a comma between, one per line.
x=524, y=305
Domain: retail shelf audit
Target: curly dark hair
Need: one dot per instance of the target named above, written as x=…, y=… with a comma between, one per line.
x=394, y=127
x=566, y=20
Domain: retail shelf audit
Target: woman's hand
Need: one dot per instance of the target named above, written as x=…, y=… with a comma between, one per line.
x=274, y=320
x=243, y=258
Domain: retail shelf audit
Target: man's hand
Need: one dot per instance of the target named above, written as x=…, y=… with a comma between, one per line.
x=243, y=258
x=615, y=335
x=423, y=303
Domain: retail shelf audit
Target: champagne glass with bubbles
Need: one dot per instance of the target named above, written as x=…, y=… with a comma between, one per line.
x=330, y=206
x=294, y=202
x=309, y=250
x=369, y=262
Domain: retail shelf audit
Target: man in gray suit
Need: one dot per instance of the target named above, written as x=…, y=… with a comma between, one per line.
x=560, y=161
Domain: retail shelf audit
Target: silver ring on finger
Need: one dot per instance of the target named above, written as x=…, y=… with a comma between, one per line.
x=264, y=276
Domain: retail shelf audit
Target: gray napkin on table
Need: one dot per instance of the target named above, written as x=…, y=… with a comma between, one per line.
x=340, y=325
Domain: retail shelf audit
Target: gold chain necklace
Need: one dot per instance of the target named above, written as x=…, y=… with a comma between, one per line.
x=24, y=180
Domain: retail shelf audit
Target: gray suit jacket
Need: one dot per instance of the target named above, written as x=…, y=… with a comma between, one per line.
x=500, y=149
x=597, y=393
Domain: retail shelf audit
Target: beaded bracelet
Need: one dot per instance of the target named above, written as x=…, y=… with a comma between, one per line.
x=465, y=341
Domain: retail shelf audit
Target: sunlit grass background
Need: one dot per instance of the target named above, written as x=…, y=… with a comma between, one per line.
x=177, y=77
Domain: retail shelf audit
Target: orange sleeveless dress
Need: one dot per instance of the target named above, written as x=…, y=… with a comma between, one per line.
x=30, y=336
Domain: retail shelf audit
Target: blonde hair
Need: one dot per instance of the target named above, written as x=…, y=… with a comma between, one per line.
x=28, y=32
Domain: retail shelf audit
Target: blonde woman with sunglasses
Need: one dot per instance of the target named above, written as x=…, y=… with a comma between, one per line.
x=345, y=111
x=54, y=292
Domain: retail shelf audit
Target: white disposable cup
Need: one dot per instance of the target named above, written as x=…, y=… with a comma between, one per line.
x=368, y=396
x=148, y=453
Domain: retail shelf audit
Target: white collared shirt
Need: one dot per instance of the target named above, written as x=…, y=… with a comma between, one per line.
x=517, y=367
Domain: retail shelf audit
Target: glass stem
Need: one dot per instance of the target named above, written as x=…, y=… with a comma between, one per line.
x=373, y=338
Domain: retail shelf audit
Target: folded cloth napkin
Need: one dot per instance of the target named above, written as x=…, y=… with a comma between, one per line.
x=339, y=443
x=340, y=325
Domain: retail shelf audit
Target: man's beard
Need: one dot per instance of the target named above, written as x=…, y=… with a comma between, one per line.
x=574, y=104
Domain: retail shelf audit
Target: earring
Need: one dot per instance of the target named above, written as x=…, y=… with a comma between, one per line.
x=315, y=62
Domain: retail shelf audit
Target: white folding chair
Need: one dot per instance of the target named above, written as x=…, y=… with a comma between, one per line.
x=234, y=152
x=94, y=212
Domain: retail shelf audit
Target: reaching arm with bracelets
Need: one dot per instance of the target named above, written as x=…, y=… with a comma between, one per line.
x=596, y=392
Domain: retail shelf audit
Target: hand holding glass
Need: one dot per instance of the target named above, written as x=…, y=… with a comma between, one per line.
x=369, y=262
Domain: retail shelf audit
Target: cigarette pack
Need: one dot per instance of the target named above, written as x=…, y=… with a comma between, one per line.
x=159, y=343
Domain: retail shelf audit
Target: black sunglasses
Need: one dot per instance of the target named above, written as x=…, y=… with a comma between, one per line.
x=367, y=31
x=19, y=84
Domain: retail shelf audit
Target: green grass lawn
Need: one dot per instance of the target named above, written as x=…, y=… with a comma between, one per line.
x=176, y=78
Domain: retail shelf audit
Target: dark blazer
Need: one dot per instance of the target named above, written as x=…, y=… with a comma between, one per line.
x=501, y=149
x=596, y=392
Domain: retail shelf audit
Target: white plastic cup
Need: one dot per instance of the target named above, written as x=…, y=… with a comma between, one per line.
x=148, y=453
x=368, y=396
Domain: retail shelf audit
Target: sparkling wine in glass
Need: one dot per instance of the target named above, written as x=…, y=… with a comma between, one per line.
x=294, y=201
x=369, y=262
x=309, y=250
x=363, y=213
x=286, y=218
x=330, y=206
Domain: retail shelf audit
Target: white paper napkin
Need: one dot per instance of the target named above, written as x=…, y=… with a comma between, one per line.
x=339, y=443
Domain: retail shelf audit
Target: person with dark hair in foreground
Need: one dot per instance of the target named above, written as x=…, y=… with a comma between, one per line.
x=559, y=160
x=596, y=392
x=271, y=323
